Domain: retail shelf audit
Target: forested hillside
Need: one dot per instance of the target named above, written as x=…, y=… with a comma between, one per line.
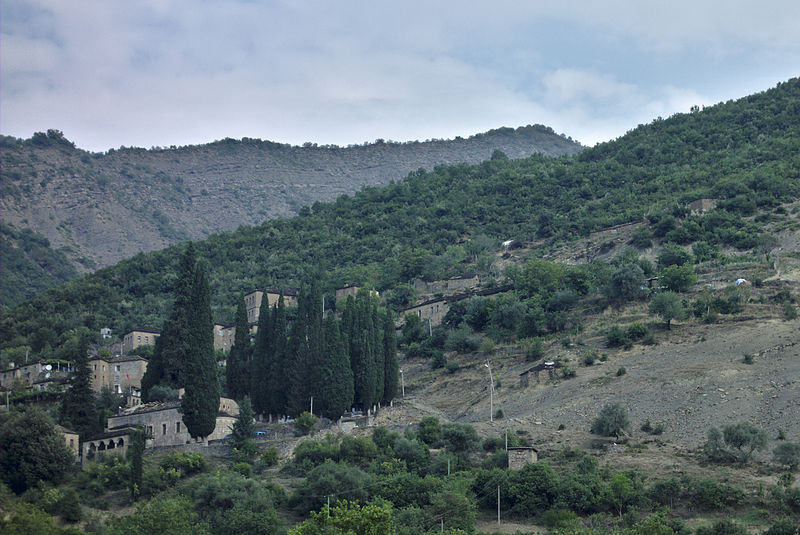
x=99, y=208
x=443, y=222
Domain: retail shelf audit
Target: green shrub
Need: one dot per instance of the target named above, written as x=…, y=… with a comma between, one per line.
x=722, y=527
x=637, y=330
x=621, y=371
x=787, y=453
x=305, y=424
x=617, y=337
x=270, y=456
x=709, y=495
x=535, y=350
x=789, y=311
x=612, y=420
x=184, y=462
x=245, y=469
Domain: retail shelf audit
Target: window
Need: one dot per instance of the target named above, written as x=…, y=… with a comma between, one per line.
x=146, y=339
x=95, y=367
x=117, y=367
x=150, y=430
x=177, y=427
x=163, y=429
x=139, y=338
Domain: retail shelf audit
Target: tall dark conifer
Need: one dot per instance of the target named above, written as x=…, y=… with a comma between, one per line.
x=78, y=409
x=362, y=347
x=259, y=363
x=237, y=373
x=335, y=390
x=173, y=348
x=277, y=380
x=308, y=344
x=200, y=403
x=390, y=366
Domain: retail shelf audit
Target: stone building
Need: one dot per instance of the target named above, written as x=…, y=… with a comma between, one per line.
x=252, y=301
x=224, y=335
x=448, y=286
x=21, y=375
x=71, y=439
x=432, y=311
x=120, y=373
x=143, y=336
x=701, y=206
x=520, y=456
x=164, y=422
x=114, y=442
x=351, y=289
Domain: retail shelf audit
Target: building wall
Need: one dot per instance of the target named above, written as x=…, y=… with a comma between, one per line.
x=519, y=457
x=119, y=376
x=288, y=300
x=448, y=286
x=167, y=428
x=134, y=339
x=435, y=311
x=27, y=373
x=224, y=336
x=252, y=303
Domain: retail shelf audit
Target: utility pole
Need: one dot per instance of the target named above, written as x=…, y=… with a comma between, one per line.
x=403, y=382
x=312, y=404
x=498, y=506
x=491, y=392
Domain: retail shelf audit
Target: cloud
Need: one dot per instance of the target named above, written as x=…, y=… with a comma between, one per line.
x=161, y=73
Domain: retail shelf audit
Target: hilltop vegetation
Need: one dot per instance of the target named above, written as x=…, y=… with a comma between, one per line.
x=99, y=208
x=444, y=222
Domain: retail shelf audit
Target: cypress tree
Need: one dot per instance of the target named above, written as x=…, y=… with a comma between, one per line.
x=236, y=371
x=376, y=330
x=308, y=345
x=277, y=381
x=335, y=391
x=259, y=364
x=78, y=409
x=173, y=348
x=244, y=429
x=200, y=403
x=390, y=365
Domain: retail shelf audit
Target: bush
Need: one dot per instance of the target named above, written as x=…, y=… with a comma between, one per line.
x=589, y=357
x=459, y=438
x=783, y=526
x=789, y=311
x=612, y=420
x=709, y=495
x=787, y=453
x=535, y=350
x=184, y=462
x=617, y=337
x=722, y=527
x=462, y=340
x=338, y=480
x=429, y=431
x=621, y=371
x=637, y=330
x=568, y=373
x=305, y=424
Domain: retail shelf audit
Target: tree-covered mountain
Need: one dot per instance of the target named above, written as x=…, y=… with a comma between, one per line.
x=103, y=207
x=29, y=265
x=744, y=153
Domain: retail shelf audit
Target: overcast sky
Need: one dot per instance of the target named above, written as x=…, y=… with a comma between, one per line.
x=158, y=73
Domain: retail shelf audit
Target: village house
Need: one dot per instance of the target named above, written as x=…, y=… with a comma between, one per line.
x=351, y=289
x=520, y=456
x=433, y=311
x=164, y=422
x=252, y=301
x=115, y=441
x=143, y=336
x=120, y=373
x=71, y=439
x=224, y=334
x=38, y=375
x=448, y=286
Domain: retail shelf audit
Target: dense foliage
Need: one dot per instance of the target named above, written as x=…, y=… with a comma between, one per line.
x=30, y=266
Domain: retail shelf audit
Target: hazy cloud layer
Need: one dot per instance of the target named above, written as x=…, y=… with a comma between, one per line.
x=144, y=73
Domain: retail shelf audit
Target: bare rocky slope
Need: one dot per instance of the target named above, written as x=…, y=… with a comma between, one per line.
x=101, y=208
x=694, y=378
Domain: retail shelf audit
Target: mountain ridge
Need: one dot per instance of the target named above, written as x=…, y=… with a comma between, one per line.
x=99, y=208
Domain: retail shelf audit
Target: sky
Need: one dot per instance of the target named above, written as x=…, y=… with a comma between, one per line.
x=111, y=73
